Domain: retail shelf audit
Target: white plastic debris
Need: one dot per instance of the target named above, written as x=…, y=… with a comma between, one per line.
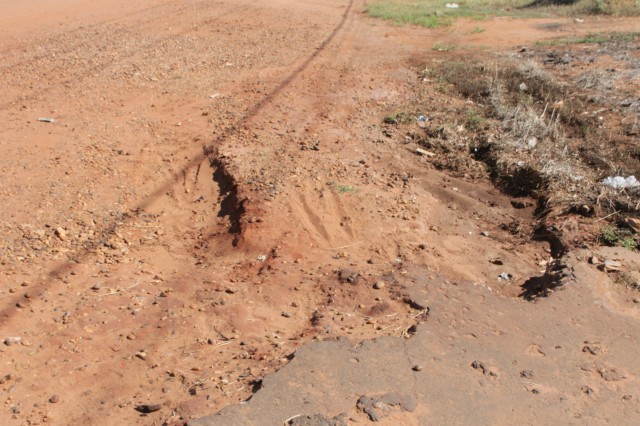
x=46, y=120
x=261, y=258
x=505, y=276
x=620, y=182
x=452, y=5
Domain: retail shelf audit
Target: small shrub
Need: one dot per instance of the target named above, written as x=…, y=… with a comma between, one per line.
x=629, y=243
x=609, y=235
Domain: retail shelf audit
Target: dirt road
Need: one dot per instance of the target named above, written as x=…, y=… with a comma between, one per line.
x=193, y=190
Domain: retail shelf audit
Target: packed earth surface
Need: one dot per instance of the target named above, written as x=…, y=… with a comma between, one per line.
x=206, y=219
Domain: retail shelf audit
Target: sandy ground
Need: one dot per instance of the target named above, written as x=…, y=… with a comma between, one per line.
x=216, y=190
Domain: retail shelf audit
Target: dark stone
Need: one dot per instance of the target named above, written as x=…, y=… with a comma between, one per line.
x=148, y=408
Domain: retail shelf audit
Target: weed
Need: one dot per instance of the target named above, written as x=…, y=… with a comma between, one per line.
x=477, y=30
x=442, y=47
x=473, y=119
x=398, y=118
x=628, y=280
x=345, y=188
x=629, y=243
x=609, y=235
x=612, y=235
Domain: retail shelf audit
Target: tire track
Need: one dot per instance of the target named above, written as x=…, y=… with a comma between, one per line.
x=117, y=38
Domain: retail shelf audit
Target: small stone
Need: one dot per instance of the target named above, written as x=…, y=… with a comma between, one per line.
x=148, y=408
x=592, y=348
x=286, y=314
x=12, y=340
x=527, y=374
x=96, y=287
x=379, y=285
x=61, y=233
x=636, y=300
x=54, y=399
x=484, y=233
x=594, y=260
x=142, y=355
x=417, y=367
x=131, y=336
x=612, y=265
x=611, y=374
x=380, y=405
x=348, y=276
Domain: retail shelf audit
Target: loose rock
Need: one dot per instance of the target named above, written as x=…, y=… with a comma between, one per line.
x=61, y=233
x=12, y=340
x=148, y=408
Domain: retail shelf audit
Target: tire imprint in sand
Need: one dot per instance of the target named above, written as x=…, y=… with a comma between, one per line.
x=102, y=66
x=325, y=219
x=209, y=152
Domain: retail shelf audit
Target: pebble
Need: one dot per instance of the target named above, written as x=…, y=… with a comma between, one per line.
x=148, y=408
x=484, y=233
x=527, y=374
x=417, y=367
x=286, y=314
x=12, y=340
x=612, y=265
x=379, y=285
x=61, y=233
x=142, y=355
x=54, y=399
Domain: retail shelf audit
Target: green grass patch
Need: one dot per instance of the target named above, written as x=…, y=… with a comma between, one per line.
x=434, y=13
x=612, y=235
x=592, y=38
x=343, y=189
x=473, y=119
x=401, y=12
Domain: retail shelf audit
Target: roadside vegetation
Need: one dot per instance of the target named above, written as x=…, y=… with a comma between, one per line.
x=434, y=13
x=549, y=124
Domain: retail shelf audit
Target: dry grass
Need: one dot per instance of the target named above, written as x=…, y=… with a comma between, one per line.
x=536, y=139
